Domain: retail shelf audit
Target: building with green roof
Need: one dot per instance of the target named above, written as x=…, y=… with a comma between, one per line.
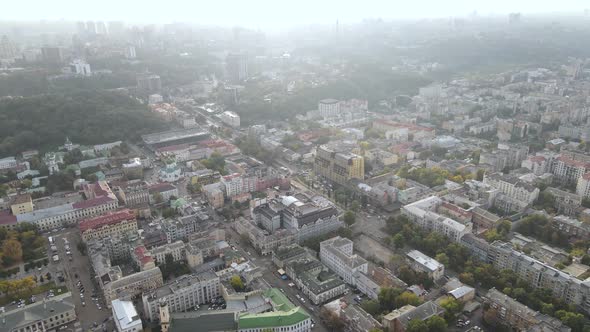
x=285, y=316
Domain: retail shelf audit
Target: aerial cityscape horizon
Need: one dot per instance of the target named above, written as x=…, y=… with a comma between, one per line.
x=259, y=166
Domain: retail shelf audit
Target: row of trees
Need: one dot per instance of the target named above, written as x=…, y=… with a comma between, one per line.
x=18, y=288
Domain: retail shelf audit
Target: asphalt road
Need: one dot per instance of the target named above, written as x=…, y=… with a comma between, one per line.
x=80, y=266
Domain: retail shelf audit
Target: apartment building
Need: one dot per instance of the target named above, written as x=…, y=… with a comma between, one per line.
x=565, y=202
x=583, y=185
x=337, y=254
x=422, y=263
x=337, y=166
x=115, y=223
x=567, y=171
x=515, y=194
x=175, y=250
x=504, y=310
x=181, y=294
x=424, y=214
x=540, y=275
x=133, y=193
x=127, y=287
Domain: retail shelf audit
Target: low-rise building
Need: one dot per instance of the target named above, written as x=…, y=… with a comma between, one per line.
x=125, y=316
x=47, y=315
x=398, y=320
x=424, y=213
x=21, y=204
x=422, y=263
x=127, y=287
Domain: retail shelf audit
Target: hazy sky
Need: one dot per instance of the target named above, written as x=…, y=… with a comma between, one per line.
x=269, y=13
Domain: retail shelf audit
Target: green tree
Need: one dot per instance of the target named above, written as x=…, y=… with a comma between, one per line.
x=436, y=324
x=504, y=227
x=452, y=308
x=355, y=206
x=399, y=241
x=372, y=307
x=407, y=298
x=387, y=297
x=442, y=258
x=237, y=283
x=349, y=218
x=417, y=325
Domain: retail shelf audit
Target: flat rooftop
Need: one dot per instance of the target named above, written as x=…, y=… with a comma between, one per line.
x=172, y=135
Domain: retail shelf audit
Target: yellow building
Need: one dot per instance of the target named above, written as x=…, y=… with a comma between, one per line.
x=22, y=204
x=338, y=167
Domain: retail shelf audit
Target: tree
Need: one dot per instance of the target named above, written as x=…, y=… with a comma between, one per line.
x=372, y=307
x=387, y=297
x=82, y=248
x=452, y=308
x=407, y=298
x=12, y=251
x=355, y=206
x=349, y=218
x=442, y=258
x=436, y=324
x=399, y=241
x=504, y=227
x=331, y=320
x=416, y=325
x=237, y=283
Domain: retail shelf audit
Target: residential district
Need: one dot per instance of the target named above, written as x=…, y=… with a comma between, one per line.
x=464, y=206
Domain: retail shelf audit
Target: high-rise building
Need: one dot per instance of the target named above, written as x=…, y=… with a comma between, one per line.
x=237, y=67
x=149, y=83
x=52, y=55
x=80, y=67
x=101, y=28
x=91, y=27
x=337, y=166
x=8, y=49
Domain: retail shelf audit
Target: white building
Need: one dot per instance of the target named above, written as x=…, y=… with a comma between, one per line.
x=422, y=263
x=125, y=316
x=230, y=118
x=583, y=185
x=80, y=67
x=175, y=249
x=337, y=254
x=233, y=184
x=423, y=213
x=182, y=294
x=329, y=108
x=517, y=194
x=8, y=162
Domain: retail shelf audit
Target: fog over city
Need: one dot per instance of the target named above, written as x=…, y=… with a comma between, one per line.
x=295, y=166
x=273, y=14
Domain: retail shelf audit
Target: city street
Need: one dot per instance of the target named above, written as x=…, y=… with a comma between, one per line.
x=79, y=266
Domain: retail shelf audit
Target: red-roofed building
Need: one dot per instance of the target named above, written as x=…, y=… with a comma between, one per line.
x=113, y=223
x=7, y=220
x=167, y=190
x=142, y=258
x=220, y=146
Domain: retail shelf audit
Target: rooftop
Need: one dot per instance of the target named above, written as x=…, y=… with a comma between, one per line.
x=424, y=260
x=125, y=313
x=106, y=220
